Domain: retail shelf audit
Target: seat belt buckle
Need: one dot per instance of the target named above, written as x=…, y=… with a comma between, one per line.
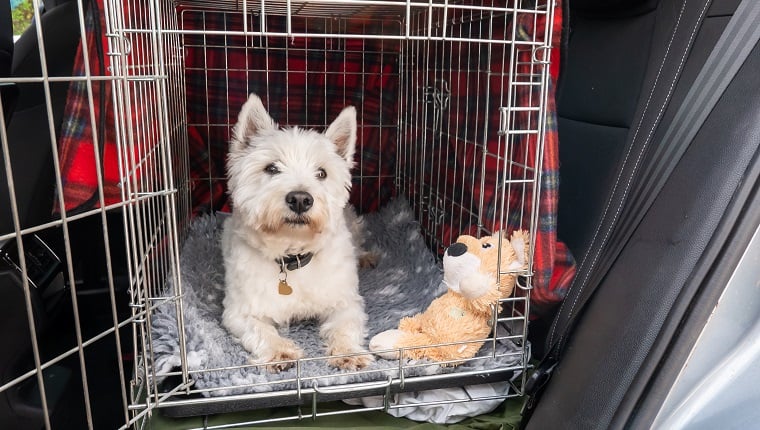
x=535, y=384
x=540, y=376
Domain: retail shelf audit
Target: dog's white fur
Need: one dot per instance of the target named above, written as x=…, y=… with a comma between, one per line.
x=263, y=228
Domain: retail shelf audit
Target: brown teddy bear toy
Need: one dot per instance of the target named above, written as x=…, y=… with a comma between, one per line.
x=464, y=313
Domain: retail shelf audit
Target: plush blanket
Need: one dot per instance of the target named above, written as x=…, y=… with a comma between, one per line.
x=407, y=278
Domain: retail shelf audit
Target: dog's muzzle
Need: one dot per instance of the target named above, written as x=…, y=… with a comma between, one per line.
x=299, y=201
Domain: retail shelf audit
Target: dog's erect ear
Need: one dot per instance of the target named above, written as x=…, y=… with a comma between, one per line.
x=253, y=118
x=342, y=132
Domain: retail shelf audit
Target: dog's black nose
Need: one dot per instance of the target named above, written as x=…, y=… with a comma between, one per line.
x=457, y=249
x=299, y=201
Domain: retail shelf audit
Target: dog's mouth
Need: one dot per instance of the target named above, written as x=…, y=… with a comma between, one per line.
x=296, y=221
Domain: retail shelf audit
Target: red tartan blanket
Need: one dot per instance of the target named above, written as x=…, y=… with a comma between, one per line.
x=79, y=141
x=87, y=146
x=221, y=71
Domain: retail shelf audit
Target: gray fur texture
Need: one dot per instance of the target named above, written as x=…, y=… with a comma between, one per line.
x=405, y=281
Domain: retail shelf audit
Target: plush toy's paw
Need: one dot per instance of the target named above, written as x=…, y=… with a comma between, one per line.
x=283, y=358
x=351, y=362
x=383, y=344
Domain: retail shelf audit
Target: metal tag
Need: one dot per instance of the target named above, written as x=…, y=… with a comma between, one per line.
x=283, y=288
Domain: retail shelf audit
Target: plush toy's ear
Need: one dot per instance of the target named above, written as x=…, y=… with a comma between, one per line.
x=520, y=241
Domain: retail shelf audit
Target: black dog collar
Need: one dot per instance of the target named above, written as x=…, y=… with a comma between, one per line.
x=294, y=261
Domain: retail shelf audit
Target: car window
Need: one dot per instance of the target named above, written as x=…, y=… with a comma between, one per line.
x=22, y=13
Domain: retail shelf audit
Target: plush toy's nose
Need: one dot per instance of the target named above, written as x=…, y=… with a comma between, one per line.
x=457, y=249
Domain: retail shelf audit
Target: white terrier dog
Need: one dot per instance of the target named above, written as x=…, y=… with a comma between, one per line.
x=288, y=250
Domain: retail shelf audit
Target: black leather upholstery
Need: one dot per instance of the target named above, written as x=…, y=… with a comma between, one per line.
x=6, y=39
x=29, y=132
x=7, y=91
x=617, y=340
x=30, y=150
x=605, y=65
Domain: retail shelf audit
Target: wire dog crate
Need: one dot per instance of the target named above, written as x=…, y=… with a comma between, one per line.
x=451, y=98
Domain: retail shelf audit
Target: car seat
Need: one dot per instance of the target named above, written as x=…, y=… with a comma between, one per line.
x=28, y=131
x=629, y=64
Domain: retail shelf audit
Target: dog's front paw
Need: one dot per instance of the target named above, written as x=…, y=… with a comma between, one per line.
x=348, y=356
x=282, y=358
x=351, y=362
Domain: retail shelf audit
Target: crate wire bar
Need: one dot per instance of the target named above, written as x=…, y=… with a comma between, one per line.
x=451, y=98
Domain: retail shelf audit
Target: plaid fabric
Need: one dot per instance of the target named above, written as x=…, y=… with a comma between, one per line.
x=138, y=117
x=463, y=155
x=553, y=264
x=302, y=81
x=76, y=150
x=307, y=81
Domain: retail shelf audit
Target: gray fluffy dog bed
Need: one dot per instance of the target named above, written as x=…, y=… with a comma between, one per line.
x=405, y=281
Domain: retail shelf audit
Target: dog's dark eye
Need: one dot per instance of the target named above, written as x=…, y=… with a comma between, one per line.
x=486, y=245
x=271, y=169
x=321, y=174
